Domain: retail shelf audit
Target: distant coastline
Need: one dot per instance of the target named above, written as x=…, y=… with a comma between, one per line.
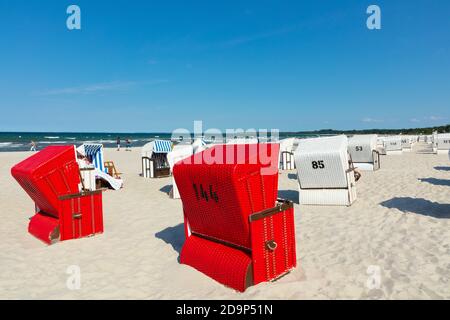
x=20, y=141
x=414, y=131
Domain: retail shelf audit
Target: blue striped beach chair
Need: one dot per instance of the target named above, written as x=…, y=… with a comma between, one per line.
x=94, y=153
x=154, y=159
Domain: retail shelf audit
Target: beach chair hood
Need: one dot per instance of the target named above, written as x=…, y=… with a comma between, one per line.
x=362, y=147
x=310, y=157
x=48, y=175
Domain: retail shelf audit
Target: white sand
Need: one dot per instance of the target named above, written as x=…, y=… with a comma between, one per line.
x=399, y=223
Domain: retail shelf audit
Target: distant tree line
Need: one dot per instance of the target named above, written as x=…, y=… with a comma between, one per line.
x=414, y=131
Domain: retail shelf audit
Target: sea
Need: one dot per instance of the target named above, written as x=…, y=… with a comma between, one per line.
x=21, y=141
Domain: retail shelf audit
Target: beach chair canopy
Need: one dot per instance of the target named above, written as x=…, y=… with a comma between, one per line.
x=322, y=162
x=48, y=175
x=362, y=147
x=94, y=152
x=221, y=186
x=156, y=146
x=393, y=143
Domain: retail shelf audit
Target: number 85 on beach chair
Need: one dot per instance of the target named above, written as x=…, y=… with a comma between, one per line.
x=239, y=233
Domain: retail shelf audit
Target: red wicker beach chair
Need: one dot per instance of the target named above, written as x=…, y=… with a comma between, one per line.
x=51, y=178
x=239, y=233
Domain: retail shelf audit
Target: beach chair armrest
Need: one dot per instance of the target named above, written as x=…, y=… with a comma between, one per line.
x=282, y=205
x=80, y=194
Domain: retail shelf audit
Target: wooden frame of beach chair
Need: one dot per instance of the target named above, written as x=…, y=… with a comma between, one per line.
x=287, y=148
x=111, y=169
x=287, y=161
x=325, y=173
x=64, y=211
x=237, y=231
x=88, y=181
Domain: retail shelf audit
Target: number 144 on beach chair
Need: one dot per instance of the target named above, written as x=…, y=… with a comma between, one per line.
x=237, y=231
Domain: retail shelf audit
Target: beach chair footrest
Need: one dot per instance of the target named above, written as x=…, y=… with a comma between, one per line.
x=229, y=266
x=44, y=227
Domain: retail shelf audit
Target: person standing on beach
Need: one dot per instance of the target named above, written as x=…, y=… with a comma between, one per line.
x=33, y=146
x=118, y=143
x=128, y=145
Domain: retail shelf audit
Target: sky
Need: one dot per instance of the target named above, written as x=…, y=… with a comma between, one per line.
x=153, y=66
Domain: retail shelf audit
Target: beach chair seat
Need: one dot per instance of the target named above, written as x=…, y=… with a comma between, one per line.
x=237, y=231
x=64, y=211
x=325, y=172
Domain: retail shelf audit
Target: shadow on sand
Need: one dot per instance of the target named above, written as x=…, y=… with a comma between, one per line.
x=442, y=168
x=166, y=189
x=419, y=206
x=288, y=195
x=292, y=176
x=173, y=236
x=437, y=182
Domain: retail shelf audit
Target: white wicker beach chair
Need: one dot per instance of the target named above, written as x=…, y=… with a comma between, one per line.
x=443, y=143
x=325, y=172
x=407, y=142
x=286, y=157
x=393, y=145
x=364, y=153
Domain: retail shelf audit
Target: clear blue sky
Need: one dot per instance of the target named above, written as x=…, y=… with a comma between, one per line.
x=146, y=66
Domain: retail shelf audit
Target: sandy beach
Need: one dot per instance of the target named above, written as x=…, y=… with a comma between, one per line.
x=399, y=225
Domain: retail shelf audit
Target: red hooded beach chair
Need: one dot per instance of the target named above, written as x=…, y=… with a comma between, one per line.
x=64, y=210
x=237, y=231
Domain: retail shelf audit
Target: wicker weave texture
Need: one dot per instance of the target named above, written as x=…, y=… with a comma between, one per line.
x=48, y=174
x=225, y=264
x=322, y=162
x=218, y=198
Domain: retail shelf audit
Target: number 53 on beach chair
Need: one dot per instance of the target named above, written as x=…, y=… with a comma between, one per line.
x=237, y=231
